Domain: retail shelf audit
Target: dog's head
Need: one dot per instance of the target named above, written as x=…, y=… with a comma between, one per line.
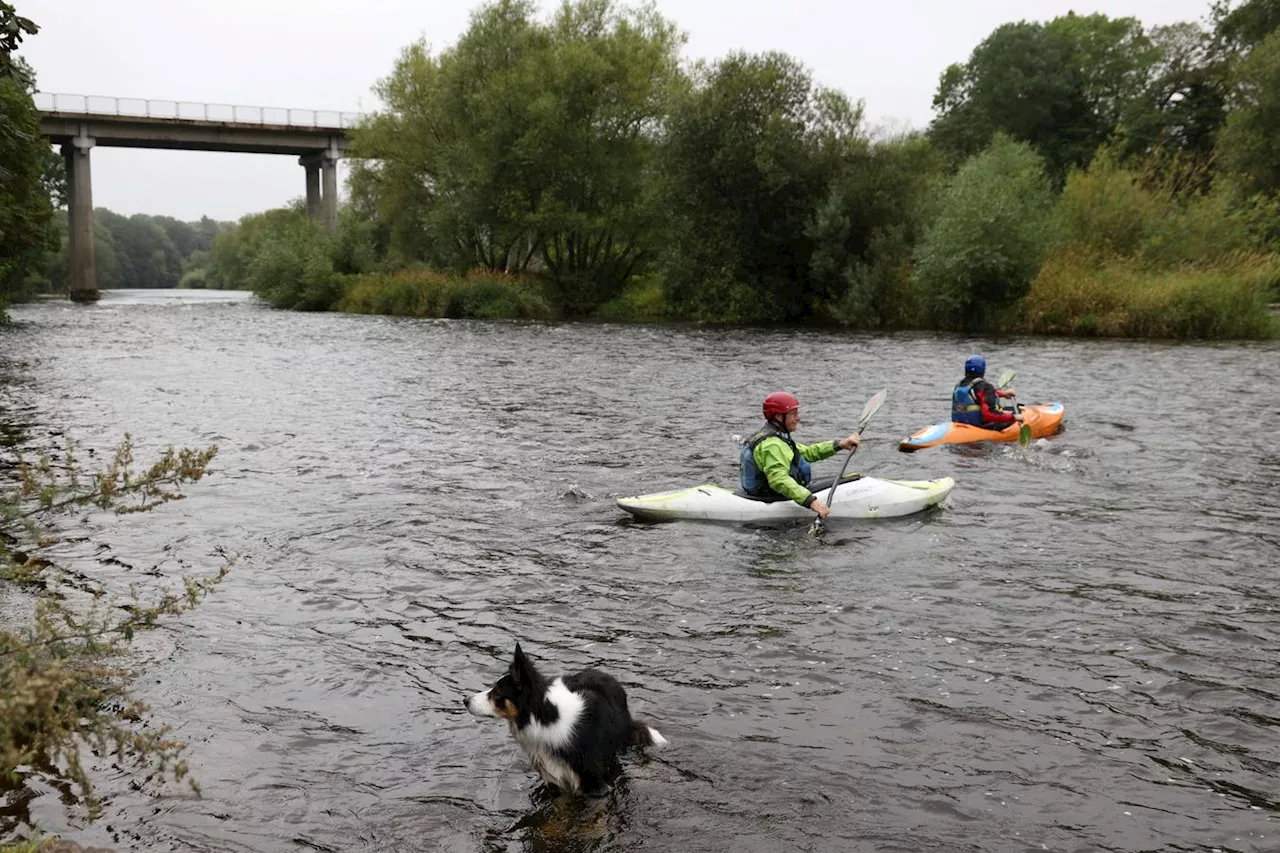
x=510, y=694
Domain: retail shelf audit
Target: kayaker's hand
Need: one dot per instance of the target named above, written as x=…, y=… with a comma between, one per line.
x=853, y=442
x=820, y=508
x=1008, y=392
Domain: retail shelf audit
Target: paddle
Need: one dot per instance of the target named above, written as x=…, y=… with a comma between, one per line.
x=868, y=411
x=1024, y=431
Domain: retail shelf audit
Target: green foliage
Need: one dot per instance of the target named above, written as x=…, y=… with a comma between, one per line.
x=25, y=209
x=146, y=255
x=1249, y=145
x=63, y=686
x=866, y=229
x=1078, y=293
x=135, y=251
x=750, y=153
x=293, y=268
x=428, y=293
x=992, y=231
x=642, y=301
x=1183, y=104
x=1241, y=27
x=13, y=28
x=525, y=141
x=1061, y=86
x=282, y=256
x=1112, y=211
x=194, y=279
x=354, y=251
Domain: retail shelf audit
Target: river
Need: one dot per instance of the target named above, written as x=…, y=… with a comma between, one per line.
x=1076, y=652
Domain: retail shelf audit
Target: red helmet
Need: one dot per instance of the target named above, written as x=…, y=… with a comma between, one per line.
x=779, y=403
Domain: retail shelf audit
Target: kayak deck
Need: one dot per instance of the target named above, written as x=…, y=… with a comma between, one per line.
x=864, y=497
x=1043, y=418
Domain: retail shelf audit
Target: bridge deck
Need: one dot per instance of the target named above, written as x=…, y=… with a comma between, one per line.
x=190, y=134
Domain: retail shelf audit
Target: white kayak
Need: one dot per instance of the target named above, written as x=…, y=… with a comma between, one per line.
x=863, y=497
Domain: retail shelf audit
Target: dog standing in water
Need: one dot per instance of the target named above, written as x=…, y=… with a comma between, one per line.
x=573, y=728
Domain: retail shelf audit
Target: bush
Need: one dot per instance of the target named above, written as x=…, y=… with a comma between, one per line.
x=194, y=279
x=430, y=293
x=993, y=229
x=1076, y=292
x=293, y=267
x=1143, y=214
x=644, y=300
x=62, y=689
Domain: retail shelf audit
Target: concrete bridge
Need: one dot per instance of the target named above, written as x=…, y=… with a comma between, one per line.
x=80, y=122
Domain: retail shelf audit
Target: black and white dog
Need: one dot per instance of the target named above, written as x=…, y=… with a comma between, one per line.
x=572, y=728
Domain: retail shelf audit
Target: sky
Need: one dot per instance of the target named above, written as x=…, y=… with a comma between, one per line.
x=327, y=54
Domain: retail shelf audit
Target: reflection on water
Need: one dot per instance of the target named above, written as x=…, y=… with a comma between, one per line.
x=1076, y=652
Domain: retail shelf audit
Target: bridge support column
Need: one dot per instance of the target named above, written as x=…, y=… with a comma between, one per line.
x=322, y=186
x=83, y=280
x=329, y=195
x=313, y=185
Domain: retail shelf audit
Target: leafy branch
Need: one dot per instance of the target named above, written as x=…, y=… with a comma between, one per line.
x=63, y=686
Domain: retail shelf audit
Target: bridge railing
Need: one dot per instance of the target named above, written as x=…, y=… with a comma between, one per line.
x=102, y=105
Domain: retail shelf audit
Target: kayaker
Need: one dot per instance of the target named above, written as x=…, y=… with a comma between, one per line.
x=775, y=466
x=976, y=401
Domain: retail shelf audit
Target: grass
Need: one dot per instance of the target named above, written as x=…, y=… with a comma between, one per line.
x=430, y=293
x=1080, y=293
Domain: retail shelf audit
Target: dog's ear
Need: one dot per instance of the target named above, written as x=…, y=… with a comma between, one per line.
x=519, y=666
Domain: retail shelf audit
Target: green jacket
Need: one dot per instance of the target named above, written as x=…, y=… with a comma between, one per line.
x=773, y=457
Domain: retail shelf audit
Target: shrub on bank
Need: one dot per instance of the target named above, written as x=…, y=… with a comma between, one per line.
x=64, y=682
x=1079, y=293
x=642, y=301
x=993, y=228
x=431, y=293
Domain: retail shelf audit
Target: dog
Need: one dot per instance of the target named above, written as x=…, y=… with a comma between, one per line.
x=573, y=728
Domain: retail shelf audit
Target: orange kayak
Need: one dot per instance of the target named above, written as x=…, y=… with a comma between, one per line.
x=1044, y=419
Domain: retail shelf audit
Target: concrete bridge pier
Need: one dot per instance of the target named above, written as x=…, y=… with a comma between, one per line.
x=83, y=280
x=322, y=185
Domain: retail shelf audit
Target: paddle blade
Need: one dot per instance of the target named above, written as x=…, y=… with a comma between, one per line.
x=873, y=405
x=1024, y=435
x=1006, y=378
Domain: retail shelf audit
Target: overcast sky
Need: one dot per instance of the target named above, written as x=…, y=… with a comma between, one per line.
x=326, y=54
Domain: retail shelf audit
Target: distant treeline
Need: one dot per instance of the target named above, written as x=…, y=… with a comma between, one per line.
x=137, y=251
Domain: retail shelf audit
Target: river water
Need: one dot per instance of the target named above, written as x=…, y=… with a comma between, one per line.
x=1076, y=652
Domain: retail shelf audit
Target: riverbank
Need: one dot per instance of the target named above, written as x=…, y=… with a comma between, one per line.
x=1116, y=299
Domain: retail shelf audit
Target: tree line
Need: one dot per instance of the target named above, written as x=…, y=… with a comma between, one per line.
x=577, y=167
x=574, y=165
x=140, y=251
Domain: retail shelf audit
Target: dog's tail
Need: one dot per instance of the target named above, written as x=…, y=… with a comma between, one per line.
x=642, y=734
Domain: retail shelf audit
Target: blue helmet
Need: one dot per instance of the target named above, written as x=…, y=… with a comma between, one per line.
x=976, y=365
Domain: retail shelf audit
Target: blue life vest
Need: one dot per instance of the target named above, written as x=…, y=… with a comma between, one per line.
x=753, y=480
x=965, y=406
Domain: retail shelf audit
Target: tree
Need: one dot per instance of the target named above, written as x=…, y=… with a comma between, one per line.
x=1249, y=144
x=610, y=75
x=749, y=156
x=526, y=144
x=13, y=28
x=1184, y=102
x=1240, y=28
x=992, y=231
x=443, y=160
x=864, y=231
x=25, y=209
x=1061, y=86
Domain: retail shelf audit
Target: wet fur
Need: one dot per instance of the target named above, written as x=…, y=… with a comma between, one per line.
x=573, y=728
